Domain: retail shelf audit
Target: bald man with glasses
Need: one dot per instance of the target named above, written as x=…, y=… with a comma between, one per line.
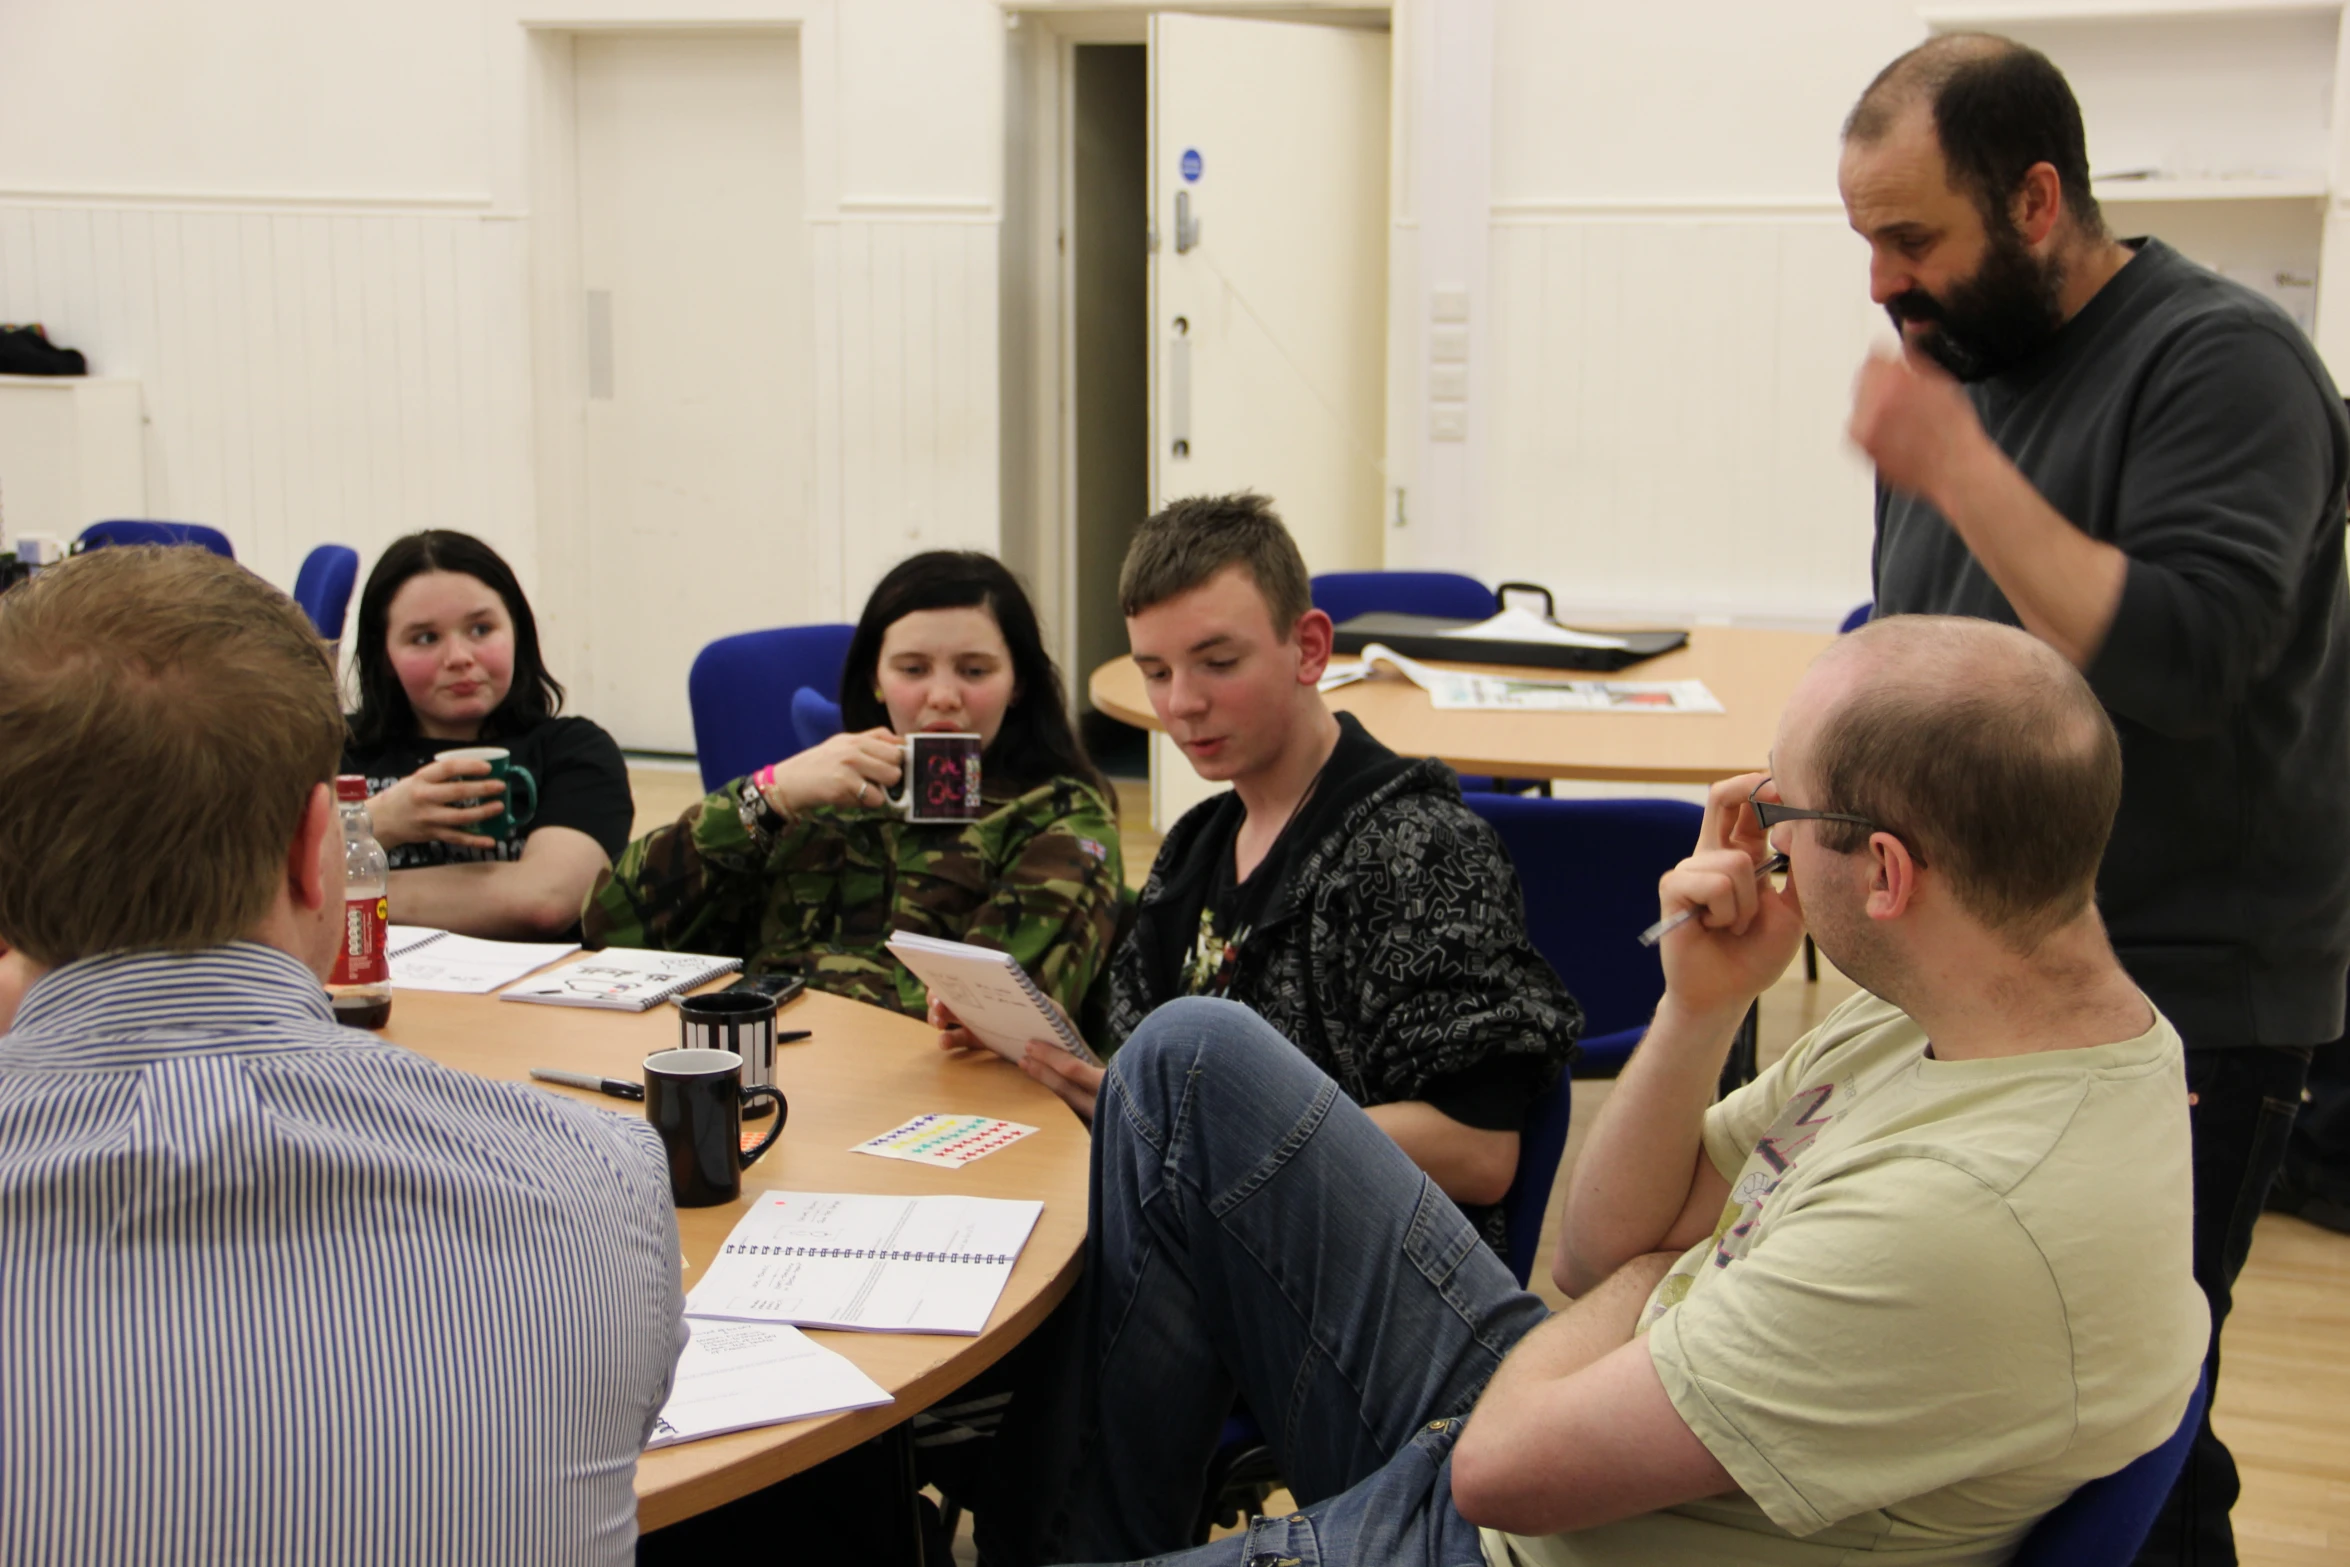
x=1898, y=1297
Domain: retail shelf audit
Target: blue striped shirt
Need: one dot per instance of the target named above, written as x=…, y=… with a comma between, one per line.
x=272, y=1290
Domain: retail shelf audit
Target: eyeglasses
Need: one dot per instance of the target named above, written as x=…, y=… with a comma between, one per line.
x=1771, y=813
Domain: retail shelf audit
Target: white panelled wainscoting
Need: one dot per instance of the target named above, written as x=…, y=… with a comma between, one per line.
x=1668, y=403
x=311, y=369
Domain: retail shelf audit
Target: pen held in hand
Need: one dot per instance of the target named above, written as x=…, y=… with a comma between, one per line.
x=1673, y=922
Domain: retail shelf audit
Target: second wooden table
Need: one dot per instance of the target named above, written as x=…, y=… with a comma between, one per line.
x=1751, y=672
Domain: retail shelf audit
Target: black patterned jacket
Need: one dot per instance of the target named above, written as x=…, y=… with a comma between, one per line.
x=1396, y=954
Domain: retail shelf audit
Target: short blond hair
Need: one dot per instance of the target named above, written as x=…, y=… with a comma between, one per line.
x=164, y=716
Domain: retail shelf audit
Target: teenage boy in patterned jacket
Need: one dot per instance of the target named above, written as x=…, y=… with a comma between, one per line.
x=1341, y=892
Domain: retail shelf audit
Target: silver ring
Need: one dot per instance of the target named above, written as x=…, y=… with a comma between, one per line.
x=863, y=784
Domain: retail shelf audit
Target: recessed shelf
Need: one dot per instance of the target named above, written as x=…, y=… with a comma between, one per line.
x=2009, y=13
x=2291, y=187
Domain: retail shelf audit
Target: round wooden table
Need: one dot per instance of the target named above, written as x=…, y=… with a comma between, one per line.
x=865, y=1071
x=1751, y=672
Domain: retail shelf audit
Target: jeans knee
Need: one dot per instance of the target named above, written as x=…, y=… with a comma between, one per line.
x=1197, y=1043
x=1182, y=1034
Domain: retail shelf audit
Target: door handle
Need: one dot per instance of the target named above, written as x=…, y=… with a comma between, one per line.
x=1179, y=387
x=1186, y=226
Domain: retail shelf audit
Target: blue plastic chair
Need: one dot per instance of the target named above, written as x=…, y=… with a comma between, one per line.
x=740, y=692
x=1589, y=869
x=815, y=717
x=1540, y=1146
x=1342, y=595
x=1858, y=618
x=125, y=530
x=323, y=587
x=2105, y=1522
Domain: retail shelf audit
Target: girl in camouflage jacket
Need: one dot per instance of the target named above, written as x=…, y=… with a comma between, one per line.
x=805, y=866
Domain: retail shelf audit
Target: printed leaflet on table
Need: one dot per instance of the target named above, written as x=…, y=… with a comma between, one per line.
x=736, y=1375
x=1459, y=691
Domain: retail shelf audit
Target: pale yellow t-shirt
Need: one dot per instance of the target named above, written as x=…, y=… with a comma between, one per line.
x=1943, y=1294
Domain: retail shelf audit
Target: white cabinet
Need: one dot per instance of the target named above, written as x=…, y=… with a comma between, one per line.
x=71, y=453
x=2218, y=127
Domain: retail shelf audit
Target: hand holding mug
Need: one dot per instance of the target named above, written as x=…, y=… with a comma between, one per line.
x=941, y=774
x=846, y=770
x=439, y=803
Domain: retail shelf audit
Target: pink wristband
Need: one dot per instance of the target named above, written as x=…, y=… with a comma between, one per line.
x=765, y=777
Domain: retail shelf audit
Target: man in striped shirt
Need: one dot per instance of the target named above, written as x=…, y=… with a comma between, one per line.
x=271, y=1290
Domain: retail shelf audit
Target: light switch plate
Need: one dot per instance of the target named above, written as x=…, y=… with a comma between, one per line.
x=1449, y=304
x=1448, y=383
x=1448, y=424
x=1449, y=345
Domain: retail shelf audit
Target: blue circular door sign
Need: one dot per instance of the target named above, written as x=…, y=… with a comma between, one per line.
x=1191, y=165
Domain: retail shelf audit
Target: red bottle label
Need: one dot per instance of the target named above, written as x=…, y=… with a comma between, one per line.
x=360, y=960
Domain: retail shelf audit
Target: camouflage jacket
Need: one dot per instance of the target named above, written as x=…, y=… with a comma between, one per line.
x=1037, y=877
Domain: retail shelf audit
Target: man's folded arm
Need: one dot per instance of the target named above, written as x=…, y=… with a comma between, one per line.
x=1575, y=1429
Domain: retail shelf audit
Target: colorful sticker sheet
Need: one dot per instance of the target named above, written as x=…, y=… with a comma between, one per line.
x=948, y=1141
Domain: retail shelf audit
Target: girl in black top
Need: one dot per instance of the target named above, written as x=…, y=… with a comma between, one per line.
x=447, y=657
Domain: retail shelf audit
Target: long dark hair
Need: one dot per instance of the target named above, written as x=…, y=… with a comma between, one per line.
x=1036, y=743
x=384, y=713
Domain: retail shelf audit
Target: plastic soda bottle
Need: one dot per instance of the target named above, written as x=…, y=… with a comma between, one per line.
x=361, y=985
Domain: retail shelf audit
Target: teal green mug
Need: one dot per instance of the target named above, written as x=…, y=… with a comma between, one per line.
x=516, y=778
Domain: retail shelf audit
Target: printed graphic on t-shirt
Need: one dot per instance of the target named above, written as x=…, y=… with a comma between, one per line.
x=1801, y=1120
x=1209, y=969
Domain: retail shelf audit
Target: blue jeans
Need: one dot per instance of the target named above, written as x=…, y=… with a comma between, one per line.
x=1255, y=1234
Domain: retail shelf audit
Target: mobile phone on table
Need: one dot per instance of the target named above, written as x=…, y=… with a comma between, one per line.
x=781, y=986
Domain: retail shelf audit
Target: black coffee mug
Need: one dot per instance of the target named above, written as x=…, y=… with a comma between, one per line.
x=742, y=1021
x=694, y=1099
x=942, y=781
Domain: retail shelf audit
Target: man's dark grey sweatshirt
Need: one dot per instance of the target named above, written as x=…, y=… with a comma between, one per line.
x=2188, y=421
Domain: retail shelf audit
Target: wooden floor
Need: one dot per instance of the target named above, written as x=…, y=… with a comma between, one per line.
x=2284, y=1393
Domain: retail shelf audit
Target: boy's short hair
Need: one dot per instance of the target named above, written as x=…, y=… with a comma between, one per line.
x=1183, y=546
x=166, y=715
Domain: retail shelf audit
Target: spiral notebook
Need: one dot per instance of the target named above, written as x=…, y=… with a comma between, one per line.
x=621, y=979
x=871, y=1264
x=990, y=994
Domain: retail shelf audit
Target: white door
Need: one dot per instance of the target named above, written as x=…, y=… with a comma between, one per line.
x=1268, y=183
x=1268, y=186
x=694, y=257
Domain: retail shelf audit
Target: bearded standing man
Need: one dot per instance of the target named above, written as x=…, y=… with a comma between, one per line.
x=2142, y=464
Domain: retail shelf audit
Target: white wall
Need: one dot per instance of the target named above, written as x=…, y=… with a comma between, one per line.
x=275, y=214
x=1676, y=306
x=306, y=227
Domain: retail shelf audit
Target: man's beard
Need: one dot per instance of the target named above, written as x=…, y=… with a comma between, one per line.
x=1993, y=321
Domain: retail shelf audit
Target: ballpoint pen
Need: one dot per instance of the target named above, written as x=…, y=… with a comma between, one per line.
x=1673, y=922
x=618, y=1088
